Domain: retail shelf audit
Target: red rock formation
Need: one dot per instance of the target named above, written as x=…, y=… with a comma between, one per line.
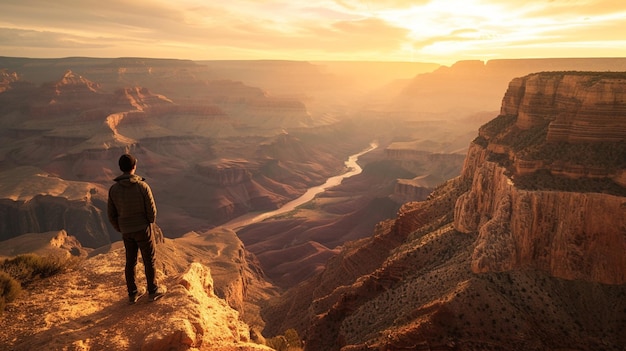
x=208, y=279
x=494, y=259
x=69, y=95
x=141, y=99
x=578, y=108
x=225, y=173
x=6, y=79
x=569, y=234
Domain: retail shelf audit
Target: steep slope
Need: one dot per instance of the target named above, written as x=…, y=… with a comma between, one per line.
x=494, y=259
x=554, y=157
x=211, y=304
x=33, y=201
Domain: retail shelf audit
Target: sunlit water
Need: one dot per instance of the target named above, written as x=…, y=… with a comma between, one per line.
x=353, y=169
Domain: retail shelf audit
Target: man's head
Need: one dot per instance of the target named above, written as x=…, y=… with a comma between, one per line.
x=127, y=163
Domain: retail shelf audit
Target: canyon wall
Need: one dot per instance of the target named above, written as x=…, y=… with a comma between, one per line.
x=501, y=257
x=85, y=220
x=568, y=232
x=579, y=107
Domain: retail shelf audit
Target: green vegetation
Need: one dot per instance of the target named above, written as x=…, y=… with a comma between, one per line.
x=498, y=125
x=288, y=342
x=481, y=141
x=25, y=269
x=601, y=159
x=9, y=289
x=544, y=180
x=595, y=76
x=529, y=139
x=605, y=155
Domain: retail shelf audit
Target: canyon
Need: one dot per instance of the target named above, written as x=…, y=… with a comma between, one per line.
x=440, y=242
x=484, y=262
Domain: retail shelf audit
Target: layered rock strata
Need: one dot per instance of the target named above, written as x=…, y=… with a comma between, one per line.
x=569, y=231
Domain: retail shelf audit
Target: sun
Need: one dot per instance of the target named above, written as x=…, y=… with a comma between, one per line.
x=446, y=28
x=445, y=18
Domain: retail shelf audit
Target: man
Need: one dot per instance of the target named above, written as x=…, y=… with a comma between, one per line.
x=131, y=211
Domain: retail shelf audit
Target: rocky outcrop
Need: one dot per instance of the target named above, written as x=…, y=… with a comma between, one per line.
x=210, y=304
x=73, y=85
x=32, y=201
x=578, y=107
x=559, y=226
x=411, y=190
x=141, y=99
x=43, y=213
x=55, y=243
x=205, y=323
x=433, y=168
x=567, y=234
x=69, y=95
x=6, y=79
x=225, y=172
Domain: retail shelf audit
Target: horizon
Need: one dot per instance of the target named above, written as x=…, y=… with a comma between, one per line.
x=313, y=61
x=437, y=31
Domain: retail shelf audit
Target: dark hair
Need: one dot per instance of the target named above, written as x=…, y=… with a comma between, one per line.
x=127, y=162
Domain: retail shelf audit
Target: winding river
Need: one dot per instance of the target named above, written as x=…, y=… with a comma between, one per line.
x=353, y=169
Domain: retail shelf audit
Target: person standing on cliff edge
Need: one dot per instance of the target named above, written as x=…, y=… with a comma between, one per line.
x=132, y=212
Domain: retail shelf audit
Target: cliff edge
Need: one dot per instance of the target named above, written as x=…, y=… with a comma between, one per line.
x=548, y=179
x=207, y=306
x=522, y=251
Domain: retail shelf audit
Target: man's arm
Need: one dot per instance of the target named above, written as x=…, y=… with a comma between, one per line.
x=150, y=205
x=112, y=213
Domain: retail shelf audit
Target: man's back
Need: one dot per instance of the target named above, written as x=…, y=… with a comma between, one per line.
x=131, y=205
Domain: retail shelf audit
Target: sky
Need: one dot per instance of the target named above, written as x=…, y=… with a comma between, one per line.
x=437, y=31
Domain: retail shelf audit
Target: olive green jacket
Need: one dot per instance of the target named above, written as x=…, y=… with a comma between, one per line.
x=131, y=206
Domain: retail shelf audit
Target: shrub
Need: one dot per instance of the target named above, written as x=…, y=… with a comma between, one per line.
x=30, y=267
x=9, y=289
x=288, y=342
x=498, y=125
x=278, y=343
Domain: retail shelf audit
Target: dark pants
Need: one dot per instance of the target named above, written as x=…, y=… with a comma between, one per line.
x=133, y=242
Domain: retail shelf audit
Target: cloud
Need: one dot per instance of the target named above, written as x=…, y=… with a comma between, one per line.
x=377, y=5
x=44, y=39
x=431, y=30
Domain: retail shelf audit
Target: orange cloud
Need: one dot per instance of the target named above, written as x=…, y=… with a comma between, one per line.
x=440, y=31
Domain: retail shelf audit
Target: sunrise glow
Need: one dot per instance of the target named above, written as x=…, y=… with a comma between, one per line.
x=441, y=31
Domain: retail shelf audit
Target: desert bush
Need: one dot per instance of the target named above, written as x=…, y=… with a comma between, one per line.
x=481, y=141
x=544, y=180
x=30, y=267
x=288, y=342
x=9, y=289
x=498, y=125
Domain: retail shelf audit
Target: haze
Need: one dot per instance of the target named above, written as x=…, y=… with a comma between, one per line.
x=441, y=31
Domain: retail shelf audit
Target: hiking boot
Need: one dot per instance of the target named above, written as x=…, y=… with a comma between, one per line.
x=134, y=297
x=158, y=293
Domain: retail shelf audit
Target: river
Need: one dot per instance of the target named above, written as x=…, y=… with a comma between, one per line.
x=352, y=169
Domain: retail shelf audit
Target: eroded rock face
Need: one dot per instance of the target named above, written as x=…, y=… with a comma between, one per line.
x=206, y=323
x=209, y=304
x=579, y=108
x=84, y=219
x=55, y=243
x=491, y=258
x=570, y=235
x=570, y=232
